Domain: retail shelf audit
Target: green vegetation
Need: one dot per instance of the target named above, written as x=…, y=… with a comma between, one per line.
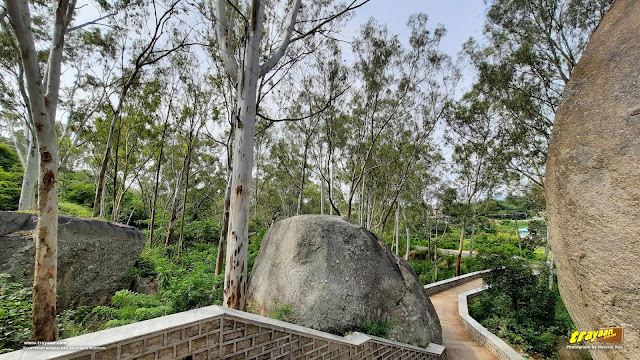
x=69, y=208
x=519, y=307
x=10, y=178
x=15, y=314
x=183, y=284
x=279, y=311
x=377, y=328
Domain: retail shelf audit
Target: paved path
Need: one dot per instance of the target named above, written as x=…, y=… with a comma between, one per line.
x=465, y=253
x=455, y=337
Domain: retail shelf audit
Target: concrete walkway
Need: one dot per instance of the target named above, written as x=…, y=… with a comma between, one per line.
x=455, y=337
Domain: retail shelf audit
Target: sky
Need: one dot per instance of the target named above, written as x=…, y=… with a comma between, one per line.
x=461, y=18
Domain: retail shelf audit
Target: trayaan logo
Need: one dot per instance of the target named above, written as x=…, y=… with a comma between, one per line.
x=607, y=335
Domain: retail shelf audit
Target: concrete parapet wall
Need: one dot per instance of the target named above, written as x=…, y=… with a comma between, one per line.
x=440, y=286
x=215, y=332
x=479, y=333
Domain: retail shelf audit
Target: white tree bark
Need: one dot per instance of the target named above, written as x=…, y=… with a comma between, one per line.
x=397, y=229
x=30, y=177
x=238, y=239
x=43, y=103
x=406, y=227
x=246, y=77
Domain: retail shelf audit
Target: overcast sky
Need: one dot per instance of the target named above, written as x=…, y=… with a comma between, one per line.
x=461, y=18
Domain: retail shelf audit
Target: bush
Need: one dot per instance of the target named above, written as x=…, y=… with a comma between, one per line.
x=72, y=209
x=519, y=306
x=15, y=314
x=10, y=178
x=81, y=193
x=377, y=328
x=203, y=231
x=126, y=298
x=280, y=312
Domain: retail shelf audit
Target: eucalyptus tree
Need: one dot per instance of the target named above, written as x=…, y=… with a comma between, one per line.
x=403, y=89
x=152, y=46
x=245, y=73
x=532, y=48
x=42, y=90
x=477, y=156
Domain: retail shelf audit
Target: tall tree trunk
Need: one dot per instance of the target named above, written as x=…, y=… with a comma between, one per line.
x=397, y=229
x=238, y=240
x=551, y=273
x=518, y=234
x=30, y=177
x=105, y=162
x=473, y=234
x=406, y=227
x=114, y=209
x=464, y=225
x=171, y=227
x=546, y=248
x=304, y=174
x=331, y=185
x=184, y=195
x=225, y=227
x=43, y=103
x=321, y=197
x=361, y=213
x=155, y=186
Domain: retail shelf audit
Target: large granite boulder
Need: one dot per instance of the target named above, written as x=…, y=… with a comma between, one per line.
x=94, y=256
x=593, y=183
x=337, y=276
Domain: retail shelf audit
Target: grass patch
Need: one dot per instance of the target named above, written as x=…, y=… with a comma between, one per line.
x=69, y=208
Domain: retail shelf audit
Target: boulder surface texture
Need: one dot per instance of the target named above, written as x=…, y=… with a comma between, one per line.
x=337, y=276
x=94, y=256
x=593, y=183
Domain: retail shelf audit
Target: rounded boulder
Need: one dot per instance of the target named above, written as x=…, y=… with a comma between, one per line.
x=336, y=276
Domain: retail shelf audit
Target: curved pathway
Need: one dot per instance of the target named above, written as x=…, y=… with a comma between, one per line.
x=456, y=339
x=465, y=253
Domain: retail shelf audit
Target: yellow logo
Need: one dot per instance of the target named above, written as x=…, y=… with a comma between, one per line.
x=610, y=335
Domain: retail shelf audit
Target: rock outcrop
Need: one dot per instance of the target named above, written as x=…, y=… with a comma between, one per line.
x=337, y=276
x=593, y=183
x=94, y=256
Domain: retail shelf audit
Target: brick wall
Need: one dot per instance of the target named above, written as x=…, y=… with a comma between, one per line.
x=219, y=333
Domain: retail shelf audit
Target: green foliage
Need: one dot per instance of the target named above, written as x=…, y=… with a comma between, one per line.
x=126, y=298
x=202, y=231
x=279, y=311
x=72, y=209
x=10, y=178
x=254, y=247
x=15, y=314
x=377, y=328
x=81, y=193
x=519, y=307
x=501, y=244
x=9, y=160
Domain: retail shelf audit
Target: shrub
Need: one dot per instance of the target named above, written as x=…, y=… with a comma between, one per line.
x=15, y=314
x=10, y=178
x=72, y=209
x=202, y=231
x=126, y=298
x=519, y=306
x=377, y=328
x=82, y=193
x=279, y=312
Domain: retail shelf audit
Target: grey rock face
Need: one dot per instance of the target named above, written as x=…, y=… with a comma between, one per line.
x=337, y=276
x=593, y=183
x=94, y=256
